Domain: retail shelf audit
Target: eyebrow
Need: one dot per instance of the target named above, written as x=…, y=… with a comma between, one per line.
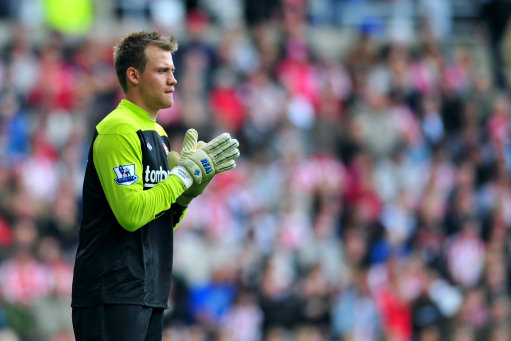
x=166, y=67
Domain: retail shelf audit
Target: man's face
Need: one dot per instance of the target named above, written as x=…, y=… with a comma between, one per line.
x=157, y=80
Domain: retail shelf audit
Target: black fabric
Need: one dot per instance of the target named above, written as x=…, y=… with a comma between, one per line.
x=114, y=266
x=117, y=323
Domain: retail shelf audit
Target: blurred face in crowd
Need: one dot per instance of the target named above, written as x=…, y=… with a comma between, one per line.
x=155, y=84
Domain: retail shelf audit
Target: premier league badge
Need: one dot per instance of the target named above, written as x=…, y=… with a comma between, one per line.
x=125, y=175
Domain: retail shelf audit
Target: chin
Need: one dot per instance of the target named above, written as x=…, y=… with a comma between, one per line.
x=169, y=102
x=166, y=104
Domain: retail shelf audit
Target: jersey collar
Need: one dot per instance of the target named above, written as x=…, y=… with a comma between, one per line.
x=136, y=109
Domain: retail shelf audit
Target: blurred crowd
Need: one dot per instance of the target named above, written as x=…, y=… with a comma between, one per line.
x=372, y=198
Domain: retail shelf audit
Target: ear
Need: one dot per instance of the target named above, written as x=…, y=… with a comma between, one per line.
x=133, y=75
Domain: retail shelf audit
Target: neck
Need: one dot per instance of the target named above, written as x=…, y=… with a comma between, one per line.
x=135, y=99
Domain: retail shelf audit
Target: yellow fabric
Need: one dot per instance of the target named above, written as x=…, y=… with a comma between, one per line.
x=117, y=143
x=69, y=16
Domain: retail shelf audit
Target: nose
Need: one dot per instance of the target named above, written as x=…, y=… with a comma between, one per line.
x=171, y=80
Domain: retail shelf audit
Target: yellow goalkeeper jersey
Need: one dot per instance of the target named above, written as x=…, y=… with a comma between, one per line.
x=124, y=254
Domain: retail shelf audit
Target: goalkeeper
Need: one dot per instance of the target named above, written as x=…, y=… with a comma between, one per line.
x=134, y=194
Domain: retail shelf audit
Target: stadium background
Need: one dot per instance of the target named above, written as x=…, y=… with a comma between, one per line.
x=372, y=199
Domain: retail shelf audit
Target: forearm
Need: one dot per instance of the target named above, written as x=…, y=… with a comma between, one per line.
x=141, y=207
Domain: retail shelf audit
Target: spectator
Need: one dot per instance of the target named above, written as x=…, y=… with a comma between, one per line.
x=370, y=164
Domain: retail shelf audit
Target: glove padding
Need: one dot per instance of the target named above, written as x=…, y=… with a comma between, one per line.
x=219, y=152
x=195, y=189
x=215, y=157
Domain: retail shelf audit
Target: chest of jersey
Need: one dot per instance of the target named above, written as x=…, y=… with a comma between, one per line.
x=154, y=157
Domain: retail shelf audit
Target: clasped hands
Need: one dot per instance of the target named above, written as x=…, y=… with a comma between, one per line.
x=199, y=162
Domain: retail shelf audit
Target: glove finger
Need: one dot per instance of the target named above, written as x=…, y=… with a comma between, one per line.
x=189, y=142
x=217, y=142
x=172, y=159
x=226, y=148
x=233, y=143
x=225, y=166
x=199, y=145
x=229, y=155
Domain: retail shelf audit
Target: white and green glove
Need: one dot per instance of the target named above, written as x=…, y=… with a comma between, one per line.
x=202, y=161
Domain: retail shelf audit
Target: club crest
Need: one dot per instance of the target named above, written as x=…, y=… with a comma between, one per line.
x=165, y=147
x=125, y=175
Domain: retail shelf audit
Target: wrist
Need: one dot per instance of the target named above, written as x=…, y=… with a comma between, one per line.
x=183, y=174
x=184, y=200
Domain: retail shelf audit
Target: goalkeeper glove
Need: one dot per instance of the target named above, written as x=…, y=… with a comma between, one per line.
x=196, y=189
x=202, y=161
x=190, y=144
